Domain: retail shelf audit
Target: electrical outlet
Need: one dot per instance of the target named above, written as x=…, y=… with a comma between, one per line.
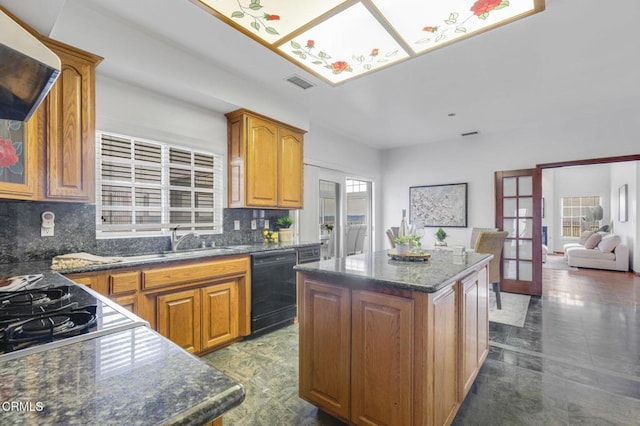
x=254, y=224
x=46, y=232
x=236, y=225
x=266, y=224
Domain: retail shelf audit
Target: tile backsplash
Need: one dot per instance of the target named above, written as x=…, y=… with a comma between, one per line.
x=75, y=231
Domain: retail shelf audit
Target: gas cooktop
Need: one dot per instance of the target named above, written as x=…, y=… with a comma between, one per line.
x=40, y=318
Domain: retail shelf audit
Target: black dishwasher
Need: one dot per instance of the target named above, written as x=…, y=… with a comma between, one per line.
x=273, y=289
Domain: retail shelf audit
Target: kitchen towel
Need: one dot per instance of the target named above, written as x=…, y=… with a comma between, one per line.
x=78, y=260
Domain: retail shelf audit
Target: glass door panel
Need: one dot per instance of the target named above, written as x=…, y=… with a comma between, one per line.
x=518, y=198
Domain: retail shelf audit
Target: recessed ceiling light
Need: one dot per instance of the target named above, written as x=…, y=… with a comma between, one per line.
x=337, y=40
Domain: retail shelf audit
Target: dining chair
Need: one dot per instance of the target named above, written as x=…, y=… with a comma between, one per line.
x=474, y=235
x=392, y=238
x=492, y=242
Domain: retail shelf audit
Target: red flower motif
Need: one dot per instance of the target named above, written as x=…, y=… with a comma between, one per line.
x=310, y=43
x=7, y=153
x=481, y=7
x=430, y=29
x=374, y=52
x=271, y=17
x=340, y=66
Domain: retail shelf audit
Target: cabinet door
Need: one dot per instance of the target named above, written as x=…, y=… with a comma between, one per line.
x=444, y=352
x=179, y=318
x=382, y=336
x=469, y=332
x=19, y=162
x=70, y=128
x=129, y=302
x=262, y=163
x=474, y=322
x=219, y=314
x=290, y=169
x=325, y=346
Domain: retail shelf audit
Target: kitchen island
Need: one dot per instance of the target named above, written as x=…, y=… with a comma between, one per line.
x=391, y=342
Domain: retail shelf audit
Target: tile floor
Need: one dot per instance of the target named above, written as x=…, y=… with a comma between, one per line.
x=576, y=361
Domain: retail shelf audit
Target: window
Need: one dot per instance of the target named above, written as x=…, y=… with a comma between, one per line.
x=580, y=214
x=146, y=187
x=356, y=185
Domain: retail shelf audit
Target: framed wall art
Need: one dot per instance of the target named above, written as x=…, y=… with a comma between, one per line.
x=622, y=207
x=438, y=205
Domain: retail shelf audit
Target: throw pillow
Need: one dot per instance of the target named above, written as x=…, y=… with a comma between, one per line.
x=584, y=236
x=609, y=243
x=592, y=241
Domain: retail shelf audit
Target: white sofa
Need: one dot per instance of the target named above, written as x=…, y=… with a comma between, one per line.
x=609, y=254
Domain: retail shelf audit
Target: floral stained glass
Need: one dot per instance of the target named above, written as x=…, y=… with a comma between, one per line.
x=12, y=156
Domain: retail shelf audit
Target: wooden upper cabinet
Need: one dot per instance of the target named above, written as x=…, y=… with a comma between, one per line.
x=261, y=163
x=67, y=123
x=19, y=172
x=290, y=170
x=265, y=162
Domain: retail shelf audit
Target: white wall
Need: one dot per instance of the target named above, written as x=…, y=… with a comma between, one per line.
x=133, y=111
x=475, y=159
x=149, y=61
x=626, y=173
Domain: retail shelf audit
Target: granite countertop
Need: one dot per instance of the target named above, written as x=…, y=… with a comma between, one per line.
x=131, y=377
x=430, y=276
x=13, y=269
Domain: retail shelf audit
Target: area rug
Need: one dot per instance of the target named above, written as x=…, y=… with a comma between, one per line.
x=558, y=263
x=514, y=308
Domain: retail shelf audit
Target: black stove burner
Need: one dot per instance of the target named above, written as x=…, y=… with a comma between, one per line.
x=34, y=297
x=39, y=316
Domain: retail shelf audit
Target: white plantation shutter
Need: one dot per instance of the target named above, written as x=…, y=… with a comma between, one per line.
x=146, y=187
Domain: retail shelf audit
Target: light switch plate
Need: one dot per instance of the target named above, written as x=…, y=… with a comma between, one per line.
x=254, y=224
x=236, y=225
x=266, y=224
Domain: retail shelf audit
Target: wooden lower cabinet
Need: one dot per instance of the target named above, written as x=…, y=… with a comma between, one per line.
x=325, y=342
x=474, y=328
x=382, y=335
x=377, y=356
x=198, y=305
x=219, y=314
x=179, y=318
x=442, y=353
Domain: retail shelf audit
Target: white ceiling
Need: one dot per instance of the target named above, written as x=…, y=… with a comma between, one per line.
x=576, y=58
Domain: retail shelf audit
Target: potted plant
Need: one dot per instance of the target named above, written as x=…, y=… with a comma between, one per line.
x=440, y=237
x=285, y=232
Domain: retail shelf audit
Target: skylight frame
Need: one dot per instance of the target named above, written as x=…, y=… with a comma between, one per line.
x=262, y=19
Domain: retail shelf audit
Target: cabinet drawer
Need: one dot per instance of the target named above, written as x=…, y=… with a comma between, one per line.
x=162, y=277
x=89, y=281
x=125, y=282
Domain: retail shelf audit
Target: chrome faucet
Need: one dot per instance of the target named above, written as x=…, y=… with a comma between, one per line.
x=175, y=241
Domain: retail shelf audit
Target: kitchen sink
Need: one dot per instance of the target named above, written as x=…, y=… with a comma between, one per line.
x=178, y=254
x=240, y=247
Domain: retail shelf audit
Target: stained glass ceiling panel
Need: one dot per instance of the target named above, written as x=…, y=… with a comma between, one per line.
x=344, y=46
x=340, y=39
x=426, y=25
x=271, y=20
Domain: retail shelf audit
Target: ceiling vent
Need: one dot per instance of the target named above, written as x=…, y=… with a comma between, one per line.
x=300, y=82
x=469, y=133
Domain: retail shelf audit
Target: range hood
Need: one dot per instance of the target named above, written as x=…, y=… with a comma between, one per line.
x=28, y=70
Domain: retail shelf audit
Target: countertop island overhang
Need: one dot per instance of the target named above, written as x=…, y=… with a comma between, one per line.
x=390, y=342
